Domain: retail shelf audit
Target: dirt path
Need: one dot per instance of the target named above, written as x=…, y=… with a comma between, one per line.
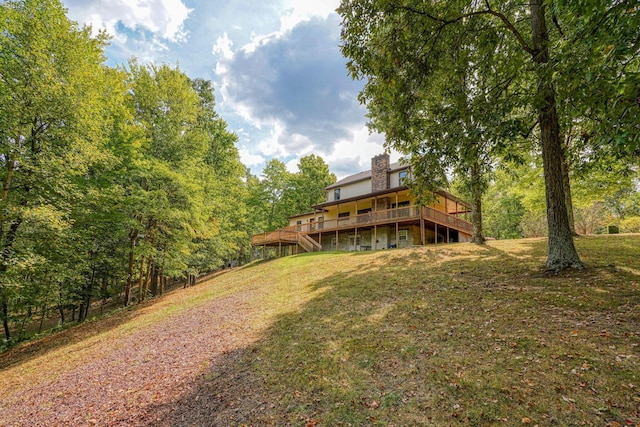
x=146, y=377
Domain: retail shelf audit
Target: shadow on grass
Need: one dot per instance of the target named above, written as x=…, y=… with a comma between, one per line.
x=416, y=338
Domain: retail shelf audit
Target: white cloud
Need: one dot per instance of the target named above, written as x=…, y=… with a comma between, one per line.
x=223, y=46
x=164, y=18
x=354, y=155
x=271, y=146
x=292, y=165
x=250, y=159
x=303, y=10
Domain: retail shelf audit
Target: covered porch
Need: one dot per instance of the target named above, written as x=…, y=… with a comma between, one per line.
x=389, y=228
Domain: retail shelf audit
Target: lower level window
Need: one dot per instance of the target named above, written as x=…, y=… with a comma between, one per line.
x=403, y=235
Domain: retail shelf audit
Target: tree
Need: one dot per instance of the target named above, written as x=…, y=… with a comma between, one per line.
x=373, y=29
x=164, y=179
x=51, y=80
x=308, y=184
x=275, y=183
x=225, y=194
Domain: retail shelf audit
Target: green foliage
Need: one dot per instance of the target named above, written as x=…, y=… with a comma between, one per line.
x=630, y=225
x=603, y=194
x=110, y=177
x=281, y=194
x=456, y=86
x=308, y=184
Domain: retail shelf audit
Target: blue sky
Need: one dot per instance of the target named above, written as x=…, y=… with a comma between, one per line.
x=280, y=80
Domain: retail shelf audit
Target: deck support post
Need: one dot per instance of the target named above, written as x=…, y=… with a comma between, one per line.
x=422, y=237
x=355, y=240
x=436, y=231
x=397, y=234
x=336, y=239
x=375, y=237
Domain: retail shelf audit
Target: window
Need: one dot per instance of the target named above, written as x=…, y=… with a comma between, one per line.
x=336, y=194
x=364, y=211
x=403, y=175
x=343, y=214
x=404, y=204
x=298, y=222
x=403, y=235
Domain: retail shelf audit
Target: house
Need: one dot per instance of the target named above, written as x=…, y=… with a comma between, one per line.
x=372, y=210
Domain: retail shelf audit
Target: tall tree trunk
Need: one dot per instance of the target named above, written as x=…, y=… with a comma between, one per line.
x=162, y=278
x=5, y=320
x=44, y=315
x=154, y=280
x=8, y=238
x=141, y=281
x=61, y=311
x=147, y=275
x=476, y=205
x=86, y=301
x=103, y=291
x=566, y=185
x=562, y=252
x=126, y=298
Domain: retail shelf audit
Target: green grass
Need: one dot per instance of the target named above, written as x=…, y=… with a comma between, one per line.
x=439, y=335
x=461, y=334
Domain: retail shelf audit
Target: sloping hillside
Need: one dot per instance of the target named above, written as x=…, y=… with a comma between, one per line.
x=441, y=335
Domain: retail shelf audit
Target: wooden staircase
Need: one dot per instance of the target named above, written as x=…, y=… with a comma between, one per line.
x=308, y=244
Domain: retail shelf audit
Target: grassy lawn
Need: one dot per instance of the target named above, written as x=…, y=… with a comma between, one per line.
x=439, y=335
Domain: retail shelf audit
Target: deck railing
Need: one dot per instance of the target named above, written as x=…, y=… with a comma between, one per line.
x=384, y=217
x=447, y=220
x=283, y=235
x=408, y=213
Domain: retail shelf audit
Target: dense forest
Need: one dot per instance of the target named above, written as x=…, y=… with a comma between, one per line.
x=119, y=181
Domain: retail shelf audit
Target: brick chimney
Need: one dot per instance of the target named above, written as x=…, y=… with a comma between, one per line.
x=380, y=173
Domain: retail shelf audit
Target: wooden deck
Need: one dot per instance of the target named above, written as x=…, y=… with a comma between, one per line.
x=289, y=235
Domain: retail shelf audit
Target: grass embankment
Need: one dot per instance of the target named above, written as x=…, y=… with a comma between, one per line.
x=440, y=335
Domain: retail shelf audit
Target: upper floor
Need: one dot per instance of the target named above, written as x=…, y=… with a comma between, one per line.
x=382, y=176
x=381, y=188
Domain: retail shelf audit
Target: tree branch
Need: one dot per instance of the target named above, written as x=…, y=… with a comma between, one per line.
x=508, y=24
x=554, y=18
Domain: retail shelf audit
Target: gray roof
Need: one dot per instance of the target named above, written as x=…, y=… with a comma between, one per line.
x=362, y=176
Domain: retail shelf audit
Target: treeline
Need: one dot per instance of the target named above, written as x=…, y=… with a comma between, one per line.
x=113, y=179
x=605, y=199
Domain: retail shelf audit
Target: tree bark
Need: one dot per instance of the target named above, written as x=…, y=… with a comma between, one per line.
x=476, y=205
x=61, y=311
x=44, y=314
x=141, y=281
x=566, y=184
x=162, y=278
x=133, y=235
x=562, y=253
x=5, y=320
x=86, y=298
